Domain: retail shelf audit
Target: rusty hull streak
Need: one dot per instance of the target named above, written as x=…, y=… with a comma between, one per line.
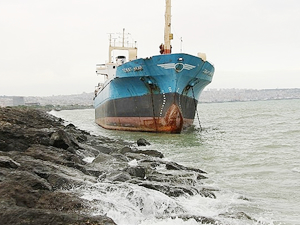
x=173, y=122
x=173, y=119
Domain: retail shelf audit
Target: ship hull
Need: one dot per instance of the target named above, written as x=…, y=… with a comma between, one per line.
x=159, y=94
x=153, y=113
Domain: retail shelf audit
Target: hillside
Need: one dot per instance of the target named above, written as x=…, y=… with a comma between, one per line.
x=209, y=95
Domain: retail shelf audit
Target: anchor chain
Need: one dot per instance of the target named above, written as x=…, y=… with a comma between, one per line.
x=153, y=110
x=196, y=109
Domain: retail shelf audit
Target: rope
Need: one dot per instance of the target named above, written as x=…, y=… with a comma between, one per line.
x=196, y=109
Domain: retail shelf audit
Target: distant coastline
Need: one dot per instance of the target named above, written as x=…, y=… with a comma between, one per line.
x=85, y=100
x=244, y=95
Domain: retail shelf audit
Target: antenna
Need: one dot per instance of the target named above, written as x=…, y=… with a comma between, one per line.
x=123, y=37
x=181, y=44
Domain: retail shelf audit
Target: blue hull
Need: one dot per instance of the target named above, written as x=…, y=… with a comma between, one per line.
x=157, y=94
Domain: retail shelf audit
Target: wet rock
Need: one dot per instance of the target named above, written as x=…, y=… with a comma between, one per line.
x=242, y=215
x=7, y=162
x=238, y=215
x=170, y=190
x=54, y=155
x=126, y=150
x=60, y=201
x=121, y=177
x=24, y=216
x=120, y=157
x=58, y=182
x=179, y=191
x=21, y=127
x=13, y=141
x=70, y=126
x=103, y=149
x=109, y=163
x=244, y=198
x=191, y=191
x=201, y=177
x=95, y=173
x=139, y=157
x=207, y=193
x=142, y=142
x=176, y=166
x=26, y=178
x=22, y=188
x=74, y=158
x=152, y=153
x=103, y=158
x=81, y=138
x=136, y=171
x=62, y=139
x=16, y=194
x=156, y=187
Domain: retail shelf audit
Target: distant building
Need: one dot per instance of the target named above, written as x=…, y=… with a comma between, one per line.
x=33, y=104
x=18, y=101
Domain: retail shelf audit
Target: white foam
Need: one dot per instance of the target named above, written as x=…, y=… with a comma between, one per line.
x=88, y=159
x=128, y=203
x=133, y=163
x=169, y=221
x=296, y=169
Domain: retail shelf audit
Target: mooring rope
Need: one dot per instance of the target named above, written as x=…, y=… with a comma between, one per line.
x=196, y=109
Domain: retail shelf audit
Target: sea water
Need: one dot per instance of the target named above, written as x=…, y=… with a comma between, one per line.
x=250, y=151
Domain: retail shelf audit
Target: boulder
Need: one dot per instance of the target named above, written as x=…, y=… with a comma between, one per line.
x=137, y=171
x=152, y=153
x=7, y=162
x=142, y=142
x=62, y=139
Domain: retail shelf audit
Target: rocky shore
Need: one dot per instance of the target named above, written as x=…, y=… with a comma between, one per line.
x=41, y=161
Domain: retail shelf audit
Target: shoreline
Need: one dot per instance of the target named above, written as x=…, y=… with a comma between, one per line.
x=207, y=96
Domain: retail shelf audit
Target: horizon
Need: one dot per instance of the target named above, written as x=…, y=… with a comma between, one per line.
x=205, y=90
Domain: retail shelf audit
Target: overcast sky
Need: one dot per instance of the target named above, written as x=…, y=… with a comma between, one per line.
x=50, y=47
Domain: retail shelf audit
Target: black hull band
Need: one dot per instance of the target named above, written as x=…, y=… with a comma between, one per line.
x=155, y=105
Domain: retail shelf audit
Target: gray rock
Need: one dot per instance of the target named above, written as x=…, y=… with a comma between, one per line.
x=62, y=139
x=136, y=171
x=142, y=142
x=152, y=153
x=121, y=177
x=24, y=216
x=176, y=166
x=103, y=158
x=126, y=150
x=7, y=162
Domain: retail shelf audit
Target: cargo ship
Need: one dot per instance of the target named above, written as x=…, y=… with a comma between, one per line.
x=154, y=94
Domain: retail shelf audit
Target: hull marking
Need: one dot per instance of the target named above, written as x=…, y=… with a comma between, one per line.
x=176, y=66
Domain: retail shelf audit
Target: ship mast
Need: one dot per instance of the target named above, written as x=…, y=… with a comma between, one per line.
x=168, y=34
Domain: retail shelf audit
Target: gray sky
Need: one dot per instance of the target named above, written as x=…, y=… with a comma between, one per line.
x=50, y=47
